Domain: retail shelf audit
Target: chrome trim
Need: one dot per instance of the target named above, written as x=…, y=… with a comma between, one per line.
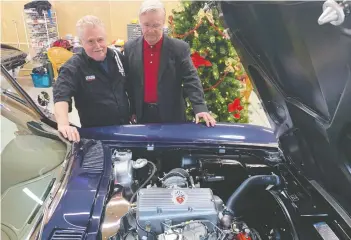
x=50, y=206
x=58, y=188
x=333, y=203
x=206, y=143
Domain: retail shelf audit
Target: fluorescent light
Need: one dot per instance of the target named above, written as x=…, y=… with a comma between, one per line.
x=32, y=196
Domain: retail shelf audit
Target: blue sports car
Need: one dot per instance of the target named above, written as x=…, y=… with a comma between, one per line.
x=188, y=181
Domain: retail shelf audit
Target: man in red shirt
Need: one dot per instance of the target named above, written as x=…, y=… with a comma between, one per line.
x=161, y=72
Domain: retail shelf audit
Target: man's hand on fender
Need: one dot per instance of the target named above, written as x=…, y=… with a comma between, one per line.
x=133, y=119
x=210, y=121
x=69, y=132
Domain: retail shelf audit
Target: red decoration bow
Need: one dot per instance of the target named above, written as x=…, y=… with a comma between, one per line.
x=235, y=107
x=200, y=61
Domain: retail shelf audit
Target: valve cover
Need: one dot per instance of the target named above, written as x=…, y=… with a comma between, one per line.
x=157, y=205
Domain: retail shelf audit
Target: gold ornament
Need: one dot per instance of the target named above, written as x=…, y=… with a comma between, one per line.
x=202, y=14
x=209, y=17
x=229, y=63
x=229, y=69
x=196, y=34
x=248, y=89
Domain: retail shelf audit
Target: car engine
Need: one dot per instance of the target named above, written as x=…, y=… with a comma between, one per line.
x=175, y=206
x=168, y=210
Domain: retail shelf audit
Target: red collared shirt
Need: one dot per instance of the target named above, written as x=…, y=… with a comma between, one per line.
x=152, y=55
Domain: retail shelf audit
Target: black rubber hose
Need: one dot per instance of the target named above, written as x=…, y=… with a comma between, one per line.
x=146, y=181
x=263, y=180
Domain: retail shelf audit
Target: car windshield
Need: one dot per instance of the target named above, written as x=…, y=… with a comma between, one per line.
x=30, y=163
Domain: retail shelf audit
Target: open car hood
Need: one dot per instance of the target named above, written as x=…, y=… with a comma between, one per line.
x=302, y=72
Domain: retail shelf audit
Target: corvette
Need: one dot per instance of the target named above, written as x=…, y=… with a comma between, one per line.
x=188, y=181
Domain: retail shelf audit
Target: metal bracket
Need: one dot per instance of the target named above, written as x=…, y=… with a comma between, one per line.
x=150, y=147
x=221, y=149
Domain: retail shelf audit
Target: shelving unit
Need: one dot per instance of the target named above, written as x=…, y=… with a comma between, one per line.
x=134, y=31
x=41, y=31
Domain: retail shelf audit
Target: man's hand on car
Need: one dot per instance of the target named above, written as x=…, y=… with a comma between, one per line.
x=210, y=121
x=69, y=132
x=133, y=119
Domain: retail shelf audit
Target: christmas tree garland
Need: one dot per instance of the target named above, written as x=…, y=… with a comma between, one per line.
x=170, y=21
x=202, y=14
x=217, y=83
x=208, y=15
x=225, y=67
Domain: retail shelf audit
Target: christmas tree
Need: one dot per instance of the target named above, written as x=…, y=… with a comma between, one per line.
x=223, y=76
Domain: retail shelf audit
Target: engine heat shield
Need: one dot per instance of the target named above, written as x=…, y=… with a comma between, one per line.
x=155, y=205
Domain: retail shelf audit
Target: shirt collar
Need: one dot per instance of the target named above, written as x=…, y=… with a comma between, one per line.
x=156, y=47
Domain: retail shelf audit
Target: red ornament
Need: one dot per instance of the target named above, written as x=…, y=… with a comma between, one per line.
x=235, y=107
x=199, y=61
x=180, y=200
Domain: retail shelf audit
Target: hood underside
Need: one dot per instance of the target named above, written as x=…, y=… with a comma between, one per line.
x=302, y=71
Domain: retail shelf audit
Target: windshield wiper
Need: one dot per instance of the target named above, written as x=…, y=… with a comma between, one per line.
x=14, y=96
x=48, y=189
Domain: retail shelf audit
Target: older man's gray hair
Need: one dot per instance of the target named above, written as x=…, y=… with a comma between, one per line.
x=151, y=5
x=88, y=21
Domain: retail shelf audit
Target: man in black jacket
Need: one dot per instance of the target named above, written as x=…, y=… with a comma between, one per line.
x=95, y=78
x=161, y=72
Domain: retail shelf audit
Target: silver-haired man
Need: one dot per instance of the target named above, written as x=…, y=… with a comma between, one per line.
x=162, y=73
x=96, y=79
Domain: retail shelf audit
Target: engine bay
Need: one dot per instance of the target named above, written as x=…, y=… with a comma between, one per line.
x=181, y=194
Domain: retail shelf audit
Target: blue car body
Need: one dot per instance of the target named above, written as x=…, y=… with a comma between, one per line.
x=302, y=74
x=91, y=186
x=185, y=133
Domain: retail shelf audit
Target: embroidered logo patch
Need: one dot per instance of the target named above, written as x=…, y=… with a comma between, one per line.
x=179, y=197
x=90, y=78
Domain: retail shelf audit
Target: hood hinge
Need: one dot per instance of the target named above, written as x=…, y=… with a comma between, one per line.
x=274, y=157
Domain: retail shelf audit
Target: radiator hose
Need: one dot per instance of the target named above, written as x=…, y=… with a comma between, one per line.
x=261, y=180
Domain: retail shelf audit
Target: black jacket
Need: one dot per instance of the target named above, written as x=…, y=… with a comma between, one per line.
x=100, y=97
x=177, y=79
